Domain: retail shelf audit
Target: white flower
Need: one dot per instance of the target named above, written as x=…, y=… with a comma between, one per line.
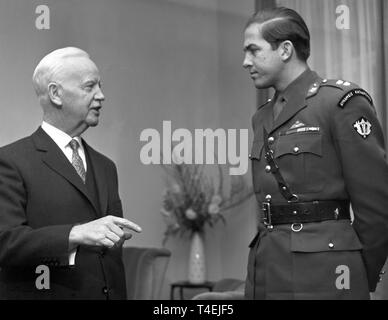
x=191, y=214
x=176, y=188
x=214, y=208
x=176, y=226
x=165, y=213
x=216, y=199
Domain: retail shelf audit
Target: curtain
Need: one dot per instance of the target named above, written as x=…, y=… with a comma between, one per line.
x=384, y=80
x=359, y=54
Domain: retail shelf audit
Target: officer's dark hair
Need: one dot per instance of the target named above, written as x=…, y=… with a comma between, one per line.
x=281, y=24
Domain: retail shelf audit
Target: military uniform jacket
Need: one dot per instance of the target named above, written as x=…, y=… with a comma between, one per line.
x=329, y=145
x=41, y=198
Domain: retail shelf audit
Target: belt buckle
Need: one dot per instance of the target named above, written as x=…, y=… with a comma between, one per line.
x=267, y=214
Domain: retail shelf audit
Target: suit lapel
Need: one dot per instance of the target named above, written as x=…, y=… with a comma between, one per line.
x=54, y=158
x=99, y=170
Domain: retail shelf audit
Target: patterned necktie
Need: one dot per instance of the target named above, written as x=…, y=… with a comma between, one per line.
x=76, y=160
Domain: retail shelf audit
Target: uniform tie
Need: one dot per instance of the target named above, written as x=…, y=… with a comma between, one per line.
x=278, y=106
x=76, y=160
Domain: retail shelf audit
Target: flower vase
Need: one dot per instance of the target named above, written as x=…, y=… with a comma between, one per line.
x=197, y=263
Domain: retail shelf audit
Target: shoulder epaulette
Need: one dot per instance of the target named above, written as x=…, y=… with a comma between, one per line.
x=350, y=90
x=340, y=84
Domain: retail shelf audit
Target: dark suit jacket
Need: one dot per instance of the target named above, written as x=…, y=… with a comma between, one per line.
x=41, y=199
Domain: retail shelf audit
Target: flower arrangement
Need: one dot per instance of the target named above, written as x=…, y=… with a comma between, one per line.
x=194, y=199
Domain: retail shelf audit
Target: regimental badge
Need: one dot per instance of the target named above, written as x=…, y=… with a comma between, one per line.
x=363, y=127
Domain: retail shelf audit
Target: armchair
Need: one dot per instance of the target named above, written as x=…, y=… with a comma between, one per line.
x=145, y=269
x=225, y=289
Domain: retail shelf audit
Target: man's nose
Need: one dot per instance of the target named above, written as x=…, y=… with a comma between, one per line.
x=99, y=95
x=247, y=61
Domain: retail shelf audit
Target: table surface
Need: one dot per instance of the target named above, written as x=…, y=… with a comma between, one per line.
x=181, y=285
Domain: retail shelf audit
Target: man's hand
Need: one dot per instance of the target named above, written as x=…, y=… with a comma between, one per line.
x=104, y=232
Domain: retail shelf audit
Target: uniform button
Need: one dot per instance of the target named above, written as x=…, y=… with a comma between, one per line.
x=271, y=140
x=268, y=169
x=331, y=245
x=105, y=290
x=249, y=156
x=324, y=80
x=296, y=149
x=268, y=197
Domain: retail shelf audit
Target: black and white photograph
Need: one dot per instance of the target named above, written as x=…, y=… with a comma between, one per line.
x=211, y=151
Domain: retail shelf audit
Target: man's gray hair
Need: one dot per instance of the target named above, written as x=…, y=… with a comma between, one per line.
x=49, y=67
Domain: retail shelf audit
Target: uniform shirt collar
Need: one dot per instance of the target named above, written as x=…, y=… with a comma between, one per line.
x=300, y=84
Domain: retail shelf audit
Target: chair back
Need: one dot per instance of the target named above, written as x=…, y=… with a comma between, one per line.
x=145, y=270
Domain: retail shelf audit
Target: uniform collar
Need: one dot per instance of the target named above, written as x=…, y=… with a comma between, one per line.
x=296, y=97
x=299, y=85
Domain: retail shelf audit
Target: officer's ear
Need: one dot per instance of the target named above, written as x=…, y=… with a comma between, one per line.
x=286, y=50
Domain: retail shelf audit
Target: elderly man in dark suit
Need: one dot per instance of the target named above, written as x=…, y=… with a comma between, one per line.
x=59, y=201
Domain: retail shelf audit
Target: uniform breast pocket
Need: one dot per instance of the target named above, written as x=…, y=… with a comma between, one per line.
x=299, y=157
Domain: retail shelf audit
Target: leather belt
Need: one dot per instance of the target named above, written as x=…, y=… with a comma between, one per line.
x=305, y=212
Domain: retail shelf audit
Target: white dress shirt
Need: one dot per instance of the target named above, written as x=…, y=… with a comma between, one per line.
x=62, y=140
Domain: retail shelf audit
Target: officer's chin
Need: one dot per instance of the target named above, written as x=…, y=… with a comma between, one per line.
x=260, y=84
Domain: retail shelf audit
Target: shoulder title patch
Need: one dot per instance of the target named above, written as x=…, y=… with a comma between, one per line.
x=353, y=93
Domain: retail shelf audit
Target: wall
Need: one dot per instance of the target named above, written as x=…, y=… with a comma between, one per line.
x=160, y=60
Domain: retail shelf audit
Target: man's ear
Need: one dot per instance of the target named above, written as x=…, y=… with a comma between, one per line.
x=54, y=93
x=286, y=50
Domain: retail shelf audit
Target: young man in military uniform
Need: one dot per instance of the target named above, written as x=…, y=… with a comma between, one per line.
x=318, y=147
